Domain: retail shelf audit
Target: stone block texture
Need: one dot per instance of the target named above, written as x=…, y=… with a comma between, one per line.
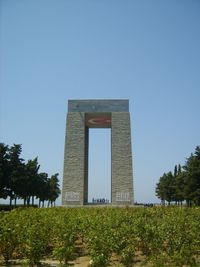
x=122, y=173
x=74, y=160
x=101, y=113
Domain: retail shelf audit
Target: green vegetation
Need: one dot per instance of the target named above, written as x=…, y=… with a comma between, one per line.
x=23, y=180
x=183, y=184
x=161, y=236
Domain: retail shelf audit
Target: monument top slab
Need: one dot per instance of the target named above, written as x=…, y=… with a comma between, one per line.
x=94, y=105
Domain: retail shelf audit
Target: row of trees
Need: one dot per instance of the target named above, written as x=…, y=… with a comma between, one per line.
x=183, y=184
x=20, y=180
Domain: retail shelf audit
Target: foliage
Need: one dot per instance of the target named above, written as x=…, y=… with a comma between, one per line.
x=64, y=237
x=9, y=230
x=184, y=184
x=23, y=180
x=34, y=235
x=98, y=238
x=163, y=236
x=3, y=169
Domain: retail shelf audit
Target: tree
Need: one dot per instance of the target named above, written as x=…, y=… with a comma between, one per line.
x=165, y=189
x=54, y=190
x=192, y=178
x=16, y=171
x=27, y=186
x=179, y=186
x=43, y=188
x=4, y=170
x=32, y=168
x=175, y=171
x=179, y=169
x=160, y=189
x=22, y=180
x=184, y=184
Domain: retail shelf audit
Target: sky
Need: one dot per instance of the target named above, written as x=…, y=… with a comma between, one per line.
x=147, y=51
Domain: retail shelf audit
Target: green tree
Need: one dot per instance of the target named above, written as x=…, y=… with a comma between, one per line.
x=179, y=169
x=160, y=189
x=43, y=188
x=180, y=185
x=165, y=189
x=16, y=171
x=32, y=168
x=4, y=170
x=22, y=180
x=184, y=184
x=175, y=171
x=192, y=178
x=54, y=190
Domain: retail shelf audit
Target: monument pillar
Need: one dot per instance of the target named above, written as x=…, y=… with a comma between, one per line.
x=74, y=160
x=122, y=176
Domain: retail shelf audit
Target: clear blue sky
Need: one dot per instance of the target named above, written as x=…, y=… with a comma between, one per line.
x=147, y=51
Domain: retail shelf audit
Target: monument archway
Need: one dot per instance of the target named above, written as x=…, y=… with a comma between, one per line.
x=85, y=114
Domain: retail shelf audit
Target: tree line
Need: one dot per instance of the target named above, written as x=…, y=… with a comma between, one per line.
x=20, y=180
x=183, y=184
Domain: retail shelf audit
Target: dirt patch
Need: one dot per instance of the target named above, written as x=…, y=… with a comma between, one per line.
x=82, y=261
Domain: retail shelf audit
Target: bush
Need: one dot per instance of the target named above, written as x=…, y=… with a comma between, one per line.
x=164, y=236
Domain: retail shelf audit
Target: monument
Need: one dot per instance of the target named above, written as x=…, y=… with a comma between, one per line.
x=85, y=114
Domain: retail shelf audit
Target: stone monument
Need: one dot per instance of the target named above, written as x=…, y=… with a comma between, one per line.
x=85, y=114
